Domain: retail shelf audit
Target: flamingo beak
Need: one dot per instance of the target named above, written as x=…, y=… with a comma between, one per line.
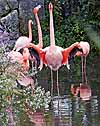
x=32, y=22
x=39, y=6
x=35, y=10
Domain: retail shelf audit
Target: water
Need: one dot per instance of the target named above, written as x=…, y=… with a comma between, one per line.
x=71, y=112
x=67, y=110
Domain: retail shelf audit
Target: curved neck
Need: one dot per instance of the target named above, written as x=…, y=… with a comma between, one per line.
x=52, y=38
x=30, y=31
x=39, y=31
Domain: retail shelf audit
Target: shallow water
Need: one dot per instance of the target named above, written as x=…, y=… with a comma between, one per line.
x=67, y=110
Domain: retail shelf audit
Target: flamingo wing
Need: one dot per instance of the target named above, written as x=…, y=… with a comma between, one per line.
x=70, y=52
x=76, y=49
x=74, y=52
x=34, y=55
x=38, y=53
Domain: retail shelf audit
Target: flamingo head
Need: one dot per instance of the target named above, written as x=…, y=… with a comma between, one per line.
x=30, y=22
x=36, y=9
x=50, y=6
x=85, y=47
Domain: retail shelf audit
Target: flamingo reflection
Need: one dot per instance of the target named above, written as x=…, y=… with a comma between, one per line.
x=83, y=90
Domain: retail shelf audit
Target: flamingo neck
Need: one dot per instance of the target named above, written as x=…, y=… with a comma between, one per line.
x=52, y=38
x=39, y=31
x=30, y=31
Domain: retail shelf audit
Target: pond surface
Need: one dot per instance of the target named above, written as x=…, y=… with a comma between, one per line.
x=67, y=110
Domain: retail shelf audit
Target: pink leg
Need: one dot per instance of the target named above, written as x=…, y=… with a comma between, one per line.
x=85, y=77
x=58, y=90
x=82, y=69
x=51, y=83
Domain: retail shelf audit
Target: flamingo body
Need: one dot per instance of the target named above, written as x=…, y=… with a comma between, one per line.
x=53, y=57
x=15, y=56
x=23, y=41
x=22, y=59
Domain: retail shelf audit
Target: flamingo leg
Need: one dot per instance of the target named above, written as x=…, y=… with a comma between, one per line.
x=85, y=77
x=82, y=69
x=58, y=90
x=51, y=83
x=58, y=84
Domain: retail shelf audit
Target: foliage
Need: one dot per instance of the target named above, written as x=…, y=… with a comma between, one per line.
x=70, y=28
x=14, y=99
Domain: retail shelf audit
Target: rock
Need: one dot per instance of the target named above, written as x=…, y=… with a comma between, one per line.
x=13, y=4
x=26, y=12
x=11, y=24
x=4, y=37
x=4, y=8
x=9, y=29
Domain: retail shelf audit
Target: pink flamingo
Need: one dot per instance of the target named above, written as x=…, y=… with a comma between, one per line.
x=22, y=59
x=24, y=41
x=33, y=52
x=85, y=51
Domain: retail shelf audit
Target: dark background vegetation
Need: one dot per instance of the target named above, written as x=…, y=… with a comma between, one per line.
x=74, y=20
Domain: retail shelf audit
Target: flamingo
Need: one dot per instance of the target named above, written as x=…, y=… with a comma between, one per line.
x=85, y=51
x=34, y=55
x=23, y=41
x=22, y=59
